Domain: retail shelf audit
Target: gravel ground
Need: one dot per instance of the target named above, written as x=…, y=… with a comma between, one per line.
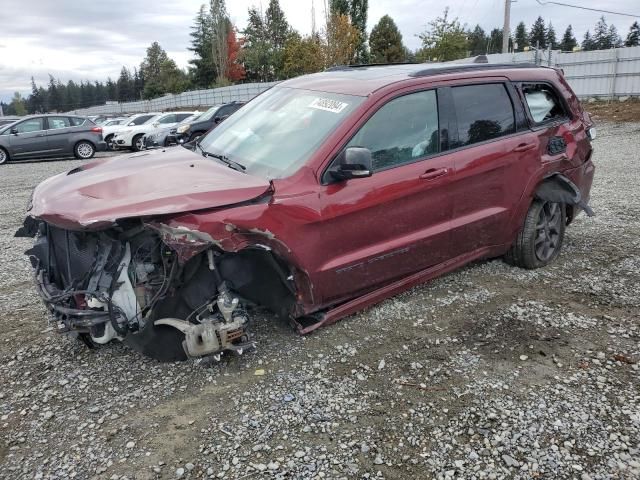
x=489, y=372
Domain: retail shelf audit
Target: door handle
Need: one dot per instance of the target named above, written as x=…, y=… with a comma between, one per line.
x=523, y=147
x=434, y=173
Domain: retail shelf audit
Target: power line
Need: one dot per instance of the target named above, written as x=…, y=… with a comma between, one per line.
x=587, y=8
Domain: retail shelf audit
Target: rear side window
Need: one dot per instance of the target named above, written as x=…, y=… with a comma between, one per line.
x=140, y=120
x=483, y=112
x=58, y=122
x=402, y=131
x=181, y=116
x=543, y=103
x=77, y=121
x=168, y=119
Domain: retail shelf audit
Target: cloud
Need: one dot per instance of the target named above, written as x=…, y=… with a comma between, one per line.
x=93, y=40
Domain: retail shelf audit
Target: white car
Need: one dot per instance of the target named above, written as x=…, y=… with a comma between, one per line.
x=108, y=132
x=133, y=137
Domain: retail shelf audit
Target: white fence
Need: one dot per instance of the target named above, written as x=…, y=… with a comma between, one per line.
x=599, y=73
x=192, y=99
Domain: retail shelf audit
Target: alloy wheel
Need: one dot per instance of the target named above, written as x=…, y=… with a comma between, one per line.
x=139, y=143
x=548, y=230
x=85, y=150
x=3, y=156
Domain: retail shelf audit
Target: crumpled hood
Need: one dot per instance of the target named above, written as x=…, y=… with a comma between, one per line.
x=148, y=183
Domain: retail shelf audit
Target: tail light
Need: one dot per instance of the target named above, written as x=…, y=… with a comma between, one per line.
x=97, y=129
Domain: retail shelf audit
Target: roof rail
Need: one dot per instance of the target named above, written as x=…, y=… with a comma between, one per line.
x=462, y=67
x=339, y=68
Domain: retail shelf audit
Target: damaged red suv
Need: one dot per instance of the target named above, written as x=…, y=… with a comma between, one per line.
x=324, y=195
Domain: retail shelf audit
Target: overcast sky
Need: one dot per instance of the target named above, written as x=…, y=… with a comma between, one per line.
x=91, y=40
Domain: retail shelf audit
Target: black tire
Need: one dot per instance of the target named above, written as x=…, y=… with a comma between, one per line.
x=108, y=139
x=84, y=150
x=195, y=136
x=137, y=142
x=4, y=156
x=540, y=240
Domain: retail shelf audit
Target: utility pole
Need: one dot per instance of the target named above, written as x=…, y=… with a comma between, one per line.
x=506, y=28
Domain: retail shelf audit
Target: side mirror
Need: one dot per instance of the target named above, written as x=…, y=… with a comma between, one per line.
x=217, y=120
x=14, y=131
x=352, y=162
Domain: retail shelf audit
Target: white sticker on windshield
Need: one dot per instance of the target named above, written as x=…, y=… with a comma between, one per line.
x=329, y=105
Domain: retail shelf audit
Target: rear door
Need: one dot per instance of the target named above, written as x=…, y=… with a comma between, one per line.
x=495, y=155
x=396, y=222
x=59, y=131
x=30, y=140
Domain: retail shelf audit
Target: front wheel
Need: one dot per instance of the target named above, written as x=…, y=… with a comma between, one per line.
x=137, y=143
x=539, y=241
x=4, y=156
x=84, y=150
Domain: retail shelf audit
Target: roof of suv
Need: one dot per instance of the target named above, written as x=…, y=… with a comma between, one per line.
x=365, y=79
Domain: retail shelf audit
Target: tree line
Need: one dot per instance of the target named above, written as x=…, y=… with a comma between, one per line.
x=269, y=49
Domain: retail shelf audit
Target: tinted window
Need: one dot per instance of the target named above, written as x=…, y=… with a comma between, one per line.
x=483, y=112
x=168, y=119
x=31, y=125
x=58, y=122
x=402, y=131
x=77, y=121
x=182, y=116
x=140, y=120
x=543, y=103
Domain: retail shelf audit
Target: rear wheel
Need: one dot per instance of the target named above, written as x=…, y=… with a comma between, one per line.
x=539, y=241
x=137, y=143
x=84, y=150
x=4, y=156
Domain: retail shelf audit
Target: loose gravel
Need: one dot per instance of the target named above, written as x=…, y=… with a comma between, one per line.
x=489, y=372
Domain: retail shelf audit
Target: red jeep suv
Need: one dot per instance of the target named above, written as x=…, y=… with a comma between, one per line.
x=324, y=195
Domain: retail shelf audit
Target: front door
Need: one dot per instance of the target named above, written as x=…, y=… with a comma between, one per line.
x=29, y=139
x=396, y=222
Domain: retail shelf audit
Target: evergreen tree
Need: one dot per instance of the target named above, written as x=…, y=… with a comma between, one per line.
x=551, y=37
x=123, y=87
x=614, y=39
x=477, y=41
x=35, y=103
x=633, y=37
x=538, y=34
x=568, y=40
x=339, y=7
x=256, y=53
x=112, y=90
x=521, y=37
x=358, y=12
x=72, y=97
x=588, y=42
x=495, y=41
x=386, y=42
x=201, y=67
x=601, y=38
x=55, y=99
x=277, y=30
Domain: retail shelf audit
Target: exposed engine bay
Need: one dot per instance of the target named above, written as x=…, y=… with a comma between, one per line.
x=125, y=283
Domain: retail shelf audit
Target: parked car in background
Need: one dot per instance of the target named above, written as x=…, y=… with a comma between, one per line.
x=42, y=136
x=322, y=196
x=110, y=122
x=165, y=137
x=8, y=120
x=207, y=121
x=132, y=138
x=134, y=120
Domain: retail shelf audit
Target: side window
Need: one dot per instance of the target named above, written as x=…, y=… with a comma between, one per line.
x=543, y=103
x=403, y=130
x=483, y=112
x=56, y=123
x=223, y=112
x=181, y=116
x=75, y=121
x=140, y=120
x=31, y=125
x=168, y=119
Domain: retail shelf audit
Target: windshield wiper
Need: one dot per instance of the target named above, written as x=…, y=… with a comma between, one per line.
x=224, y=159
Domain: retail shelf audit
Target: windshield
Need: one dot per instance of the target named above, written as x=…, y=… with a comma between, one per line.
x=276, y=133
x=192, y=118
